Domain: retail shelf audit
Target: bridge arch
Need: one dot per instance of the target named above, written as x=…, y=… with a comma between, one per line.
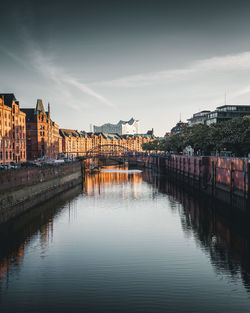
x=108, y=150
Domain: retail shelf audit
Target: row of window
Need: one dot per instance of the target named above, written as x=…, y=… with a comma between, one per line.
x=7, y=143
x=5, y=123
x=8, y=116
x=8, y=155
x=234, y=108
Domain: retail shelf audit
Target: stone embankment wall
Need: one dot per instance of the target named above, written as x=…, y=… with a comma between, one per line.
x=226, y=179
x=24, y=188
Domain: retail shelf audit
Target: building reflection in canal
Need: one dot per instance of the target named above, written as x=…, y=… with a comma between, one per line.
x=223, y=234
x=217, y=234
x=16, y=235
x=96, y=183
x=38, y=223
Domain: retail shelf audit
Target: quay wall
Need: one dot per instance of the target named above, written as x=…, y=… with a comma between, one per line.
x=226, y=179
x=23, y=188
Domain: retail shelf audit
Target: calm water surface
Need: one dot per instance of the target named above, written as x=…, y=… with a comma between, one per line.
x=126, y=242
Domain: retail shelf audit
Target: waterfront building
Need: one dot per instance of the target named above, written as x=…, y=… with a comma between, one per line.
x=130, y=127
x=76, y=143
x=198, y=118
x=71, y=142
x=12, y=130
x=177, y=129
x=227, y=112
x=43, y=139
x=134, y=143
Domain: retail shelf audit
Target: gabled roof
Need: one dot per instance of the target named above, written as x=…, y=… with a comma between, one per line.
x=98, y=134
x=127, y=135
x=8, y=98
x=83, y=134
x=111, y=135
x=69, y=133
x=39, y=106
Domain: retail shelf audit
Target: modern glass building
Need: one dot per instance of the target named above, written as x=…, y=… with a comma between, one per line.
x=198, y=118
x=130, y=127
x=227, y=112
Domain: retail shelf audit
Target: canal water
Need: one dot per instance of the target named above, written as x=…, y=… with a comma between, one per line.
x=127, y=241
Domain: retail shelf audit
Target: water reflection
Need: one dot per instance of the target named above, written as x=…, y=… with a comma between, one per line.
x=111, y=175
x=223, y=234
x=17, y=235
x=158, y=264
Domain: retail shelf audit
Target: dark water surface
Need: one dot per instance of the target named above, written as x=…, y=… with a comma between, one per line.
x=127, y=242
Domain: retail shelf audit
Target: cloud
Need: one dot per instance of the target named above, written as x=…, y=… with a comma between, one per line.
x=240, y=92
x=237, y=62
x=46, y=67
x=63, y=81
x=14, y=57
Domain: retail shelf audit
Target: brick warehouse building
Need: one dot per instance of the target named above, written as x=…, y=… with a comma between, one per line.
x=43, y=139
x=12, y=130
x=75, y=143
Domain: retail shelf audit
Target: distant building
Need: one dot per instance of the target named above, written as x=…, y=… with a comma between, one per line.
x=12, y=130
x=130, y=127
x=150, y=132
x=75, y=143
x=71, y=144
x=177, y=129
x=166, y=136
x=42, y=133
x=198, y=118
x=227, y=112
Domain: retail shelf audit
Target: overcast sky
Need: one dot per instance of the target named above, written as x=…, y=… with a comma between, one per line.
x=102, y=61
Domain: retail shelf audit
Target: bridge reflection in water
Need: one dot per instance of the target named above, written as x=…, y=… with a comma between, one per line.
x=111, y=175
x=224, y=238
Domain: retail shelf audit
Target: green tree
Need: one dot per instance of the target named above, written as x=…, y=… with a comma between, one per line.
x=175, y=143
x=197, y=136
x=232, y=135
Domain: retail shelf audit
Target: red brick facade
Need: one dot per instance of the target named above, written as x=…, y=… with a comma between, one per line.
x=42, y=133
x=12, y=130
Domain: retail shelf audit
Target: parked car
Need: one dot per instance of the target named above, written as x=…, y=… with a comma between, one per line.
x=14, y=165
x=7, y=167
x=30, y=164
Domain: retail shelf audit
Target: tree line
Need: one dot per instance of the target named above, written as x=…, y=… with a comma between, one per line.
x=232, y=135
